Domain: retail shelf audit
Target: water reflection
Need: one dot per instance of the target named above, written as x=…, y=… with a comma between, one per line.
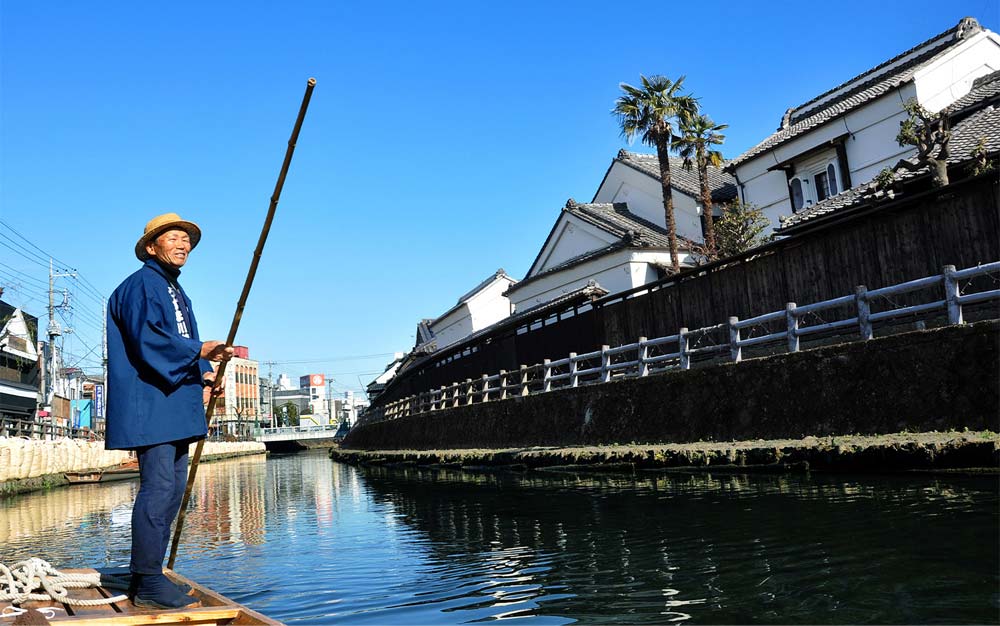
x=42, y=523
x=734, y=548
x=310, y=541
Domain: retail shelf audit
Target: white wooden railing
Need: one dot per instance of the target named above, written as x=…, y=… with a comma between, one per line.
x=648, y=356
x=289, y=433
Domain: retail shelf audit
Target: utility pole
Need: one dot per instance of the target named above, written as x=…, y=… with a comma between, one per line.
x=104, y=358
x=55, y=330
x=329, y=399
x=270, y=393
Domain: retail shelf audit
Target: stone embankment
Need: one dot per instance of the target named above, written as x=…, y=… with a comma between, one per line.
x=29, y=464
x=943, y=451
x=943, y=379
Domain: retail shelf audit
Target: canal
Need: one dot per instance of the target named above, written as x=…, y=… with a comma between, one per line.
x=306, y=540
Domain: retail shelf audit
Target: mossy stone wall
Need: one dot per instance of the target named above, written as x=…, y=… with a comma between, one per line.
x=947, y=378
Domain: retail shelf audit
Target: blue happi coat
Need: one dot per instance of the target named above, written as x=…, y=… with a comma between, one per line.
x=154, y=372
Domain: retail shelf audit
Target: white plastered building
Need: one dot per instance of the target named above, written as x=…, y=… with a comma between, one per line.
x=602, y=243
x=482, y=306
x=633, y=178
x=844, y=137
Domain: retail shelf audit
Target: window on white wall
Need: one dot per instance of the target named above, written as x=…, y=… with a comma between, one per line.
x=813, y=183
x=822, y=191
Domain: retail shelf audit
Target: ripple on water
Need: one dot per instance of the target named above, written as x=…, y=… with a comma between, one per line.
x=310, y=541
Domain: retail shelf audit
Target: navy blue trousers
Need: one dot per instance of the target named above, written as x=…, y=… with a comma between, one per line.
x=162, y=478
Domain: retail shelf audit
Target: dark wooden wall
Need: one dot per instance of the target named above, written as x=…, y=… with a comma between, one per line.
x=957, y=226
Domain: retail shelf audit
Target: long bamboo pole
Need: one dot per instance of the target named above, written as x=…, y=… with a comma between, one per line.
x=231, y=338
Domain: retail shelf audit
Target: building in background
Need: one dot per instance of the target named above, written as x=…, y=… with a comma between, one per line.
x=314, y=385
x=20, y=374
x=303, y=405
x=237, y=412
x=347, y=409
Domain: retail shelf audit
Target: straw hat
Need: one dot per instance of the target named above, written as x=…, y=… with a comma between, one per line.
x=161, y=224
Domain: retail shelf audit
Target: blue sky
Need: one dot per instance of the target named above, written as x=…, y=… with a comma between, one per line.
x=441, y=142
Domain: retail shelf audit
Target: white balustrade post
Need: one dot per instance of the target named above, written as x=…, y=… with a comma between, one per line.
x=735, y=350
x=682, y=345
x=546, y=372
x=485, y=388
x=503, y=384
x=572, y=369
x=455, y=393
x=524, y=381
x=443, y=397
x=792, y=321
x=605, y=364
x=643, y=355
x=951, y=293
x=864, y=311
x=468, y=391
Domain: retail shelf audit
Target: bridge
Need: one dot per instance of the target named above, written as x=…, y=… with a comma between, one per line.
x=289, y=438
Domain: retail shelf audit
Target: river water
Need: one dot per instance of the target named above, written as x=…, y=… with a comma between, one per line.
x=306, y=540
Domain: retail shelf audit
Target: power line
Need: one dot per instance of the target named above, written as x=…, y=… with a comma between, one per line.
x=16, y=251
x=44, y=255
x=43, y=259
x=15, y=283
x=14, y=270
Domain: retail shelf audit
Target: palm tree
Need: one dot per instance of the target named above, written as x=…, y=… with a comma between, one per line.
x=651, y=111
x=698, y=134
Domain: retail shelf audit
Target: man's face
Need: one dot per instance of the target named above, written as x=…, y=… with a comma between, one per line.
x=171, y=248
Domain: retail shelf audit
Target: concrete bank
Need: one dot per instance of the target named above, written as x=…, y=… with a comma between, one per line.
x=946, y=451
x=923, y=381
x=32, y=464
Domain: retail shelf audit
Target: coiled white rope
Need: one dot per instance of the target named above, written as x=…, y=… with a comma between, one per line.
x=35, y=579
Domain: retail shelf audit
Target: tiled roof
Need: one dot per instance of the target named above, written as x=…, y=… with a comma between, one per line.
x=861, y=89
x=500, y=273
x=617, y=220
x=983, y=126
x=722, y=185
x=632, y=232
x=983, y=88
x=588, y=292
x=424, y=331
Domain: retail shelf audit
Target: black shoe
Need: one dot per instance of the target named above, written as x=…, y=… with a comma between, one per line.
x=185, y=589
x=155, y=591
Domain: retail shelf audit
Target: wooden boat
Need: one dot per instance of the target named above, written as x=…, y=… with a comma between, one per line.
x=213, y=608
x=125, y=471
x=101, y=476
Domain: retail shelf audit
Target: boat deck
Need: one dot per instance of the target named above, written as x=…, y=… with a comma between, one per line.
x=214, y=608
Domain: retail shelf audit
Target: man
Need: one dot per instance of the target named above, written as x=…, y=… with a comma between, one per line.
x=157, y=369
